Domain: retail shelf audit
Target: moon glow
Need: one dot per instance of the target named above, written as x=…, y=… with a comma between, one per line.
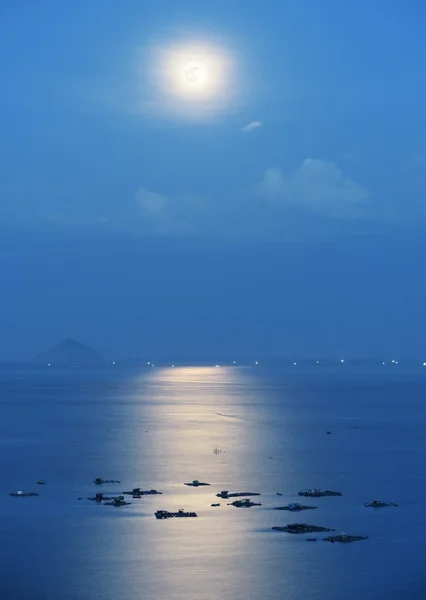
x=187, y=80
x=195, y=73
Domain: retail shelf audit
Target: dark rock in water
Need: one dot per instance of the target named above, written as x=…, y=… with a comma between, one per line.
x=302, y=528
x=70, y=353
x=345, y=539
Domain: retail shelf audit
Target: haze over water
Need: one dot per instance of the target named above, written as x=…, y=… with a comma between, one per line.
x=158, y=428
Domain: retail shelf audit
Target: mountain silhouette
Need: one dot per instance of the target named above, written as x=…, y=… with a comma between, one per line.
x=70, y=352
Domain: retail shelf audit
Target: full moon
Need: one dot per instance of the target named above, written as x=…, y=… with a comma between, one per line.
x=194, y=74
x=194, y=80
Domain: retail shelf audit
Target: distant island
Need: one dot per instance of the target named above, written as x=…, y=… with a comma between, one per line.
x=70, y=352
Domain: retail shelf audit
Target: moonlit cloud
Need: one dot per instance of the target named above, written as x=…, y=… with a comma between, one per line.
x=317, y=196
x=151, y=202
x=251, y=126
x=318, y=186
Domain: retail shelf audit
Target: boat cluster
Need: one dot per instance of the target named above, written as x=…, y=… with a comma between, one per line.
x=118, y=501
x=305, y=528
x=243, y=501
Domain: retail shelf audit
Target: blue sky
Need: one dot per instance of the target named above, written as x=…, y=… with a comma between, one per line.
x=94, y=148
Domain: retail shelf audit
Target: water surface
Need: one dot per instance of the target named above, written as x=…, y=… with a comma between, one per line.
x=157, y=428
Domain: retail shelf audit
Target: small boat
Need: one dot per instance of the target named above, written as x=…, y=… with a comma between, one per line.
x=22, y=494
x=379, y=504
x=41, y=482
x=196, y=483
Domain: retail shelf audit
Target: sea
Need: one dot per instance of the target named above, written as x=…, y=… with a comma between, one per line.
x=256, y=428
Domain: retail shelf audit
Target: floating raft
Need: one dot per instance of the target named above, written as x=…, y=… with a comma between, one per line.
x=102, y=498
x=225, y=494
x=99, y=481
x=117, y=502
x=345, y=539
x=196, y=483
x=295, y=507
x=316, y=493
x=378, y=504
x=302, y=528
x=244, y=503
x=22, y=494
x=138, y=492
x=165, y=514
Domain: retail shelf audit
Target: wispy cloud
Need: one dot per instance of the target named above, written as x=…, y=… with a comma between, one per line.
x=251, y=126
